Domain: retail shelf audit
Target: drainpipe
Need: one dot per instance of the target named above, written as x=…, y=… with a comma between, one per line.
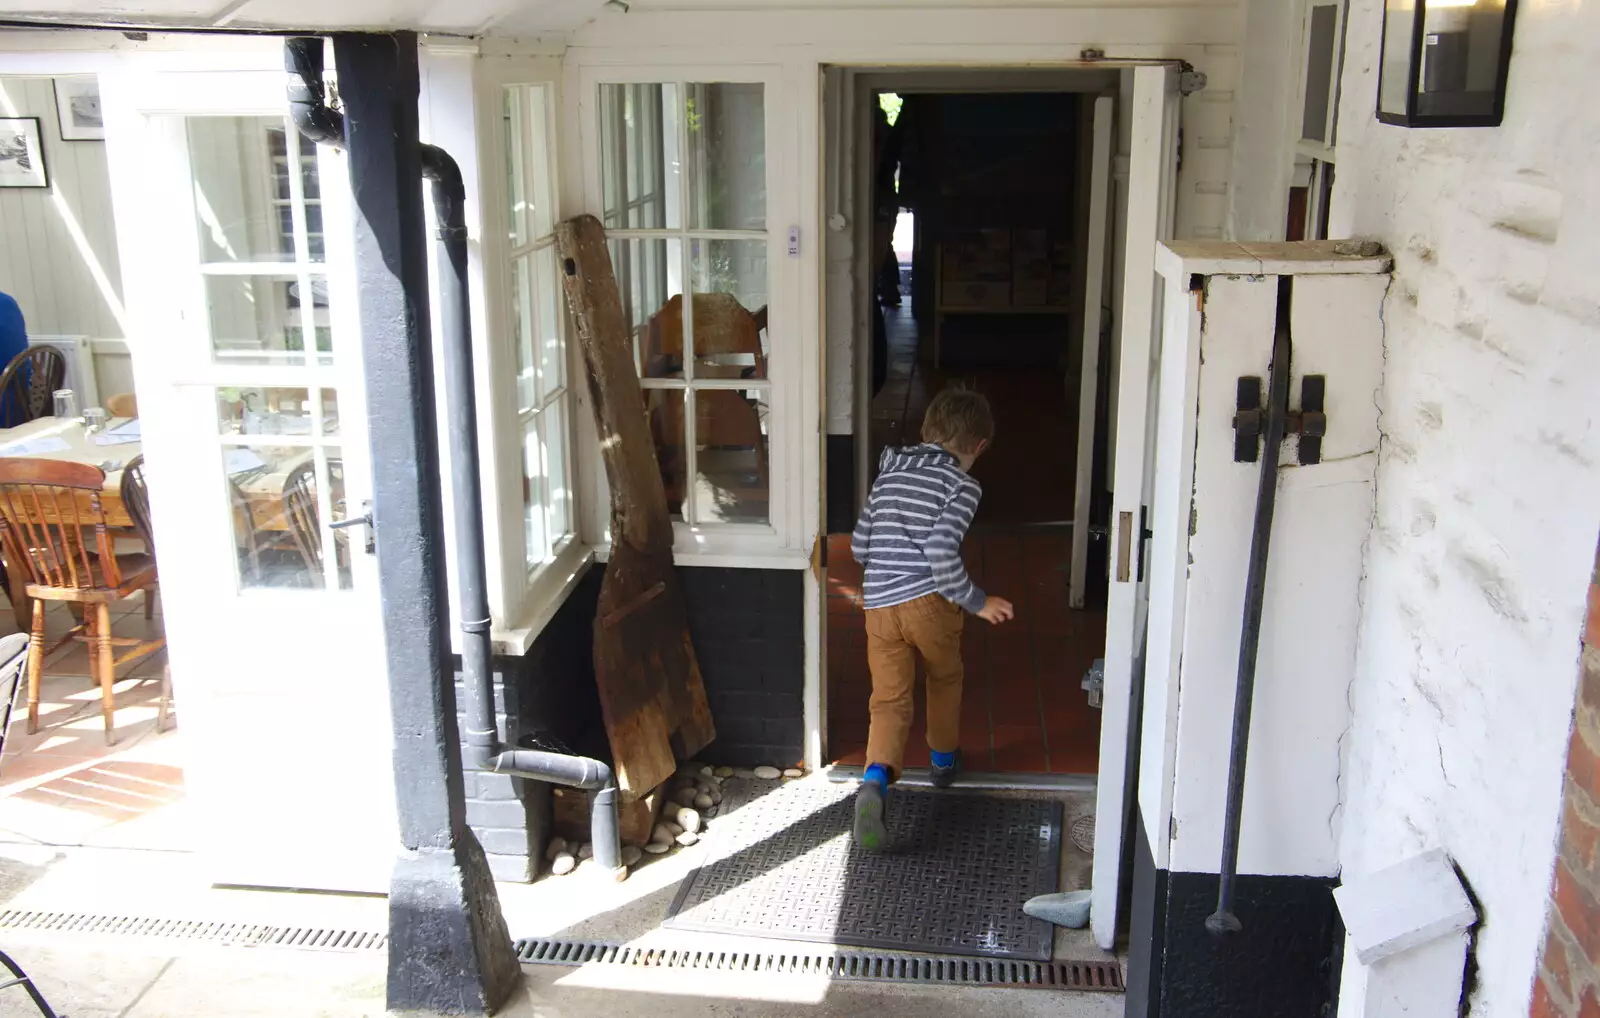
x=481, y=748
x=1276, y=425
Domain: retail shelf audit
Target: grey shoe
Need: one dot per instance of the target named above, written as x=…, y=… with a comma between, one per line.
x=943, y=777
x=871, y=835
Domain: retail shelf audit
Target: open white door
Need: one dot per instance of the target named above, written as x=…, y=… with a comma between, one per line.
x=1094, y=288
x=239, y=275
x=1152, y=174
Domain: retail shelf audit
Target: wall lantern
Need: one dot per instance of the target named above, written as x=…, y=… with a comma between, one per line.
x=1445, y=62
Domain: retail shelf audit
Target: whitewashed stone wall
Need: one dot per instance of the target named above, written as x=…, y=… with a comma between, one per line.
x=1488, y=499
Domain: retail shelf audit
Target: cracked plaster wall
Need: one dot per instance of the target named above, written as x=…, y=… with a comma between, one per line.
x=1488, y=493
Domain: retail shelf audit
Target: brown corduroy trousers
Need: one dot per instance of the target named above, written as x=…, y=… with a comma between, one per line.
x=930, y=626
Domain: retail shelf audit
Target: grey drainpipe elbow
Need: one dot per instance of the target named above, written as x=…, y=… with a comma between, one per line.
x=481, y=747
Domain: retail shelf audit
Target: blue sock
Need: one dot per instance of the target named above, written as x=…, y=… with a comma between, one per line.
x=943, y=760
x=878, y=773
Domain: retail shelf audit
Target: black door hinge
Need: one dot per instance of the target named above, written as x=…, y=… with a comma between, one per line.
x=1310, y=422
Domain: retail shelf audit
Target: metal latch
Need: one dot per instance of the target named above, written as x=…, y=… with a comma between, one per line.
x=364, y=520
x=1094, y=682
x=1310, y=422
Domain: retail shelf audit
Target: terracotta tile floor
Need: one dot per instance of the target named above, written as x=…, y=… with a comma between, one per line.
x=1024, y=709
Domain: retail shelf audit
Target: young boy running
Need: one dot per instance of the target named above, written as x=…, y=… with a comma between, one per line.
x=917, y=593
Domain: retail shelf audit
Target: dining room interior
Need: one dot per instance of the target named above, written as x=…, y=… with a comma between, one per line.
x=94, y=750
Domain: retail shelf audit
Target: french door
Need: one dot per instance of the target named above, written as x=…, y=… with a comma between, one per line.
x=1153, y=114
x=238, y=274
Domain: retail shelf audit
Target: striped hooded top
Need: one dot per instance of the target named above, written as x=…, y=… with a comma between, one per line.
x=908, y=539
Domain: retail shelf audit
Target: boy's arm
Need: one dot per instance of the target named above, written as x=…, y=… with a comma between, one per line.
x=943, y=550
x=861, y=536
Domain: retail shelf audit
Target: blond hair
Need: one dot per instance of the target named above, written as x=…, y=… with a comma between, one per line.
x=959, y=418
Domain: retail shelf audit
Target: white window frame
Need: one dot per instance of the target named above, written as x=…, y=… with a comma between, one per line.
x=778, y=541
x=529, y=596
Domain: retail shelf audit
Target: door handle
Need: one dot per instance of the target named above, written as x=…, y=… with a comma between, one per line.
x=364, y=520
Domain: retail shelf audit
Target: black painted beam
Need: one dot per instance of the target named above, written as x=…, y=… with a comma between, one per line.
x=449, y=950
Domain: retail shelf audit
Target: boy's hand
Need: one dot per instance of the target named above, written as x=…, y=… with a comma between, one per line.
x=996, y=610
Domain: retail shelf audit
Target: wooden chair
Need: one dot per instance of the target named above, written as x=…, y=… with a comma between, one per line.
x=28, y=385
x=52, y=521
x=724, y=418
x=123, y=404
x=136, y=498
x=305, y=523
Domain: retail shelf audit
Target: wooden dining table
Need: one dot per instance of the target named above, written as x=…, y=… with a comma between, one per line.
x=68, y=441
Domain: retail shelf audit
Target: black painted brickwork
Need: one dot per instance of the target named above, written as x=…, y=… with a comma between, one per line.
x=748, y=630
x=1284, y=964
x=549, y=701
x=749, y=634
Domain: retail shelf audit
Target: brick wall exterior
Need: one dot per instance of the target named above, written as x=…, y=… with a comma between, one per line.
x=1567, y=984
x=546, y=698
x=748, y=632
x=749, y=635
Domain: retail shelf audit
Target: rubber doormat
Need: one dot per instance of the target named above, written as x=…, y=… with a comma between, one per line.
x=959, y=867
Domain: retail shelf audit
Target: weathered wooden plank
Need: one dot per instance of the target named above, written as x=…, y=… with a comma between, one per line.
x=651, y=691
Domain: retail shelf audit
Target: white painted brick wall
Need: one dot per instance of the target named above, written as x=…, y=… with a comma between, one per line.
x=1488, y=490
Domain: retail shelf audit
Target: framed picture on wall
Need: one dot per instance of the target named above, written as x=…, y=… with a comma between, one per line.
x=22, y=153
x=78, y=108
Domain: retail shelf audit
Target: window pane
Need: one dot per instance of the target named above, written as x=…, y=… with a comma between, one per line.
x=553, y=436
x=278, y=498
x=664, y=408
x=541, y=161
x=639, y=156
x=259, y=320
x=522, y=334
x=727, y=156
x=242, y=193
x=731, y=485
x=650, y=281
x=535, y=540
x=1460, y=58
x=261, y=411
x=730, y=301
x=547, y=338
x=516, y=197
x=1399, y=21
x=1321, y=43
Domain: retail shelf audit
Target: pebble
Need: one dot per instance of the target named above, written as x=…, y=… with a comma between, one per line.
x=716, y=798
x=767, y=773
x=631, y=854
x=708, y=772
x=586, y=851
x=744, y=772
x=723, y=772
x=794, y=772
x=563, y=864
x=669, y=809
x=703, y=801
x=1068, y=908
x=685, y=796
x=557, y=846
x=658, y=848
x=676, y=829
x=688, y=838
x=690, y=820
x=662, y=833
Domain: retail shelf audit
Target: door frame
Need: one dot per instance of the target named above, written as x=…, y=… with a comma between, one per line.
x=143, y=92
x=848, y=93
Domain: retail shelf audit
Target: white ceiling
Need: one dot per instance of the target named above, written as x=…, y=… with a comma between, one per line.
x=467, y=17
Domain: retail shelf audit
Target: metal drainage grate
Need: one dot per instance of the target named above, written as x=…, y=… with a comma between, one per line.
x=865, y=966
x=228, y=934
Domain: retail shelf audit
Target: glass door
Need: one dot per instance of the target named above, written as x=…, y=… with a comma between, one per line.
x=246, y=349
